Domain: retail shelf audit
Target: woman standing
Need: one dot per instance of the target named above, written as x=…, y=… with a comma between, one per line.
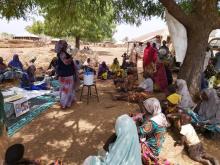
x=65, y=71
x=160, y=77
x=149, y=59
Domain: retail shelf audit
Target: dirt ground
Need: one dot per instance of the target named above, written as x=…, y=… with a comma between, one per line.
x=72, y=135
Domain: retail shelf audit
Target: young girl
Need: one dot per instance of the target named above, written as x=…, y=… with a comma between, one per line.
x=190, y=139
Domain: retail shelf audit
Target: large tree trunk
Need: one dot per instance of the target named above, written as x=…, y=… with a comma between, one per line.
x=203, y=18
x=192, y=67
x=77, y=43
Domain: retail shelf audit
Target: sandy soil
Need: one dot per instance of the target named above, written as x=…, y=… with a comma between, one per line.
x=76, y=133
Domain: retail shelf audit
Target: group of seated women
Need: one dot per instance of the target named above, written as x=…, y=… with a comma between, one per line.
x=137, y=138
x=27, y=75
x=11, y=71
x=145, y=131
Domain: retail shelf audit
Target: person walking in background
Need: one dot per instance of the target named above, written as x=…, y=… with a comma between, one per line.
x=133, y=55
x=65, y=70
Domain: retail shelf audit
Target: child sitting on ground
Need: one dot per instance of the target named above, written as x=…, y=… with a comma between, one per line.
x=190, y=139
x=146, y=85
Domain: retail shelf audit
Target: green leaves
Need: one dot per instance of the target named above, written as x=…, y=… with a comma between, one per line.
x=37, y=28
x=16, y=8
x=73, y=18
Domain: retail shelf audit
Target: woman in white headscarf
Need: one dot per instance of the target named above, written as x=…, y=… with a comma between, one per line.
x=153, y=130
x=186, y=99
x=125, y=150
x=210, y=107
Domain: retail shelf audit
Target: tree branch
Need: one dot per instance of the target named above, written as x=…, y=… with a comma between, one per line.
x=175, y=10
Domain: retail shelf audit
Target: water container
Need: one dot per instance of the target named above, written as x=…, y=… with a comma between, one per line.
x=88, y=78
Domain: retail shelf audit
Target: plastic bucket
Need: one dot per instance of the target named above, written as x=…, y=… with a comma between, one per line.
x=88, y=78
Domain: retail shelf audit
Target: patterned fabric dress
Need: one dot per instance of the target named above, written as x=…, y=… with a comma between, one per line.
x=152, y=132
x=67, y=95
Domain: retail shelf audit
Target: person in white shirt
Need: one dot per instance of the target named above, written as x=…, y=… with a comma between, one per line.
x=190, y=139
x=147, y=84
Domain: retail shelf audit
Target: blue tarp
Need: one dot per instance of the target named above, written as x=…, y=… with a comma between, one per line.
x=38, y=105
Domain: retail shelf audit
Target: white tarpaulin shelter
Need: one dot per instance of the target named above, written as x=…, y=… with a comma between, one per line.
x=178, y=35
x=151, y=35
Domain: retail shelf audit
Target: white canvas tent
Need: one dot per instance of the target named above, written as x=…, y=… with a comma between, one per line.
x=164, y=33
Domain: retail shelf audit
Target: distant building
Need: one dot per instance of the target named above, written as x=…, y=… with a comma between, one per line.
x=27, y=37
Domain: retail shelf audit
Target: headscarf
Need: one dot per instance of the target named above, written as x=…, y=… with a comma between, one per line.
x=102, y=69
x=115, y=66
x=16, y=63
x=186, y=99
x=152, y=106
x=60, y=45
x=210, y=109
x=174, y=98
x=125, y=150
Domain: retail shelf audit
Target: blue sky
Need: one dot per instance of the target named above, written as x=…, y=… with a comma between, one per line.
x=17, y=27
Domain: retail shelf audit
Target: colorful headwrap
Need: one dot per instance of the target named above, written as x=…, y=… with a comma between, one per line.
x=174, y=98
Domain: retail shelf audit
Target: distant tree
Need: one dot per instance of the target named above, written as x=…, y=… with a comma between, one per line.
x=75, y=19
x=36, y=28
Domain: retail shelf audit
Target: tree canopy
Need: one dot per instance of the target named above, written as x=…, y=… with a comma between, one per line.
x=82, y=20
x=199, y=17
x=36, y=28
